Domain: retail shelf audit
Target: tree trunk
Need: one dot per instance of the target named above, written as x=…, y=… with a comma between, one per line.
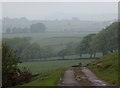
x=91, y=56
x=111, y=51
x=104, y=53
x=80, y=55
x=45, y=58
x=63, y=57
x=94, y=55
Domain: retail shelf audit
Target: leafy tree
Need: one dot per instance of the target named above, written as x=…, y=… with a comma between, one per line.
x=0, y=64
x=47, y=52
x=38, y=27
x=31, y=52
x=62, y=53
x=106, y=40
x=8, y=30
x=79, y=50
x=15, y=30
x=28, y=51
x=85, y=45
x=93, y=46
x=20, y=30
x=71, y=46
x=112, y=33
x=24, y=30
x=9, y=65
x=18, y=44
x=11, y=74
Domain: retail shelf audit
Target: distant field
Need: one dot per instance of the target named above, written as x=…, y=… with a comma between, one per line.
x=51, y=38
x=72, y=57
x=42, y=66
x=56, y=40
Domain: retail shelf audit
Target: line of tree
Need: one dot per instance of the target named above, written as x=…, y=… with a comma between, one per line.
x=85, y=45
x=28, y=51
x=34, y=28
x=105, y=41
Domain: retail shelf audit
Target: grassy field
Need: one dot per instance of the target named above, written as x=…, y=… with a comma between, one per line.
x=50, y=38
x=108, y=69
x=50, y=71
x=37, y=67
x=47, y=78
x=70, y=57
x=54, y=40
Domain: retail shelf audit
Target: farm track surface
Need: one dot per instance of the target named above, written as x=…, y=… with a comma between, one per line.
x=93, y=78
x=68, y=79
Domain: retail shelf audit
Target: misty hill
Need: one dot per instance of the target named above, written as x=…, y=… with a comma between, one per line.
x=56, y=25
x=82, y=16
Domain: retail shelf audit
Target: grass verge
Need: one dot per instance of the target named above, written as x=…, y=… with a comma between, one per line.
x=106, y=68
x=47, y=79
x=81, y=78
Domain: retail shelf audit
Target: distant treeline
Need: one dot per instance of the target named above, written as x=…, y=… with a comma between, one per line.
x=74, y=24
x=37, y=27
x=26, y=50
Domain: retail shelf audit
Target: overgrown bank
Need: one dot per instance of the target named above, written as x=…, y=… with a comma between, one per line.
x=49, y=78
x=106, y=68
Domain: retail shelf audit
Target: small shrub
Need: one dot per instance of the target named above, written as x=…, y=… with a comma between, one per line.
x=24, y=76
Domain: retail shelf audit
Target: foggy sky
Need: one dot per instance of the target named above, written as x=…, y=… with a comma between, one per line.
x=60, y=10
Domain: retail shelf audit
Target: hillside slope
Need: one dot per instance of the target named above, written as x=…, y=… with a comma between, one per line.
x=106, y=68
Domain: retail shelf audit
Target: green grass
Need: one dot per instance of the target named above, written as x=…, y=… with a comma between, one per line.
x=48, y=79
x=50, y=71
x=50, y=38
x=109, y=68
x=42, y=66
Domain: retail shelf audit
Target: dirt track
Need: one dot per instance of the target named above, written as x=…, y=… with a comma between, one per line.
x=68, y=79
x=91, y=77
